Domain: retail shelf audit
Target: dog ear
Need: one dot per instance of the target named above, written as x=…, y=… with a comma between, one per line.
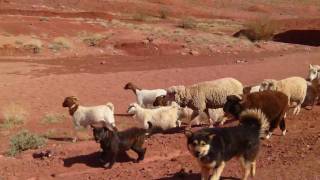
x=188, y=133
x=211, y=136
x=234, y=98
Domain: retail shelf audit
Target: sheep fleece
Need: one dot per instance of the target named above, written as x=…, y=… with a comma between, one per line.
x=208, y=94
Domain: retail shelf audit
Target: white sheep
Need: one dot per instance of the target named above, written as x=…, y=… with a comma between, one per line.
x=294, y=87
x=202, y=96
x=86, y=116
x=165, y=117
x=314, y=72
x=145, y=97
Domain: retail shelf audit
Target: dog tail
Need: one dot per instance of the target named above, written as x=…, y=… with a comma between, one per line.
x=111, y=106
x=255, y=118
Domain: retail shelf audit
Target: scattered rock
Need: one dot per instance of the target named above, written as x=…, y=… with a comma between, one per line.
x=194, y=53
x=42, y=155
x=241, y=61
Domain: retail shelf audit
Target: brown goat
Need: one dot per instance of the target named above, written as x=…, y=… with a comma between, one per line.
x=274, y=105
x=312, y=96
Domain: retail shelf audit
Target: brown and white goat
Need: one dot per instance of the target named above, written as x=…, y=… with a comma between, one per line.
x=274, y=105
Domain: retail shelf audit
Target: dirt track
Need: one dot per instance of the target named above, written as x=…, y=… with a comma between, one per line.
x=39, y=82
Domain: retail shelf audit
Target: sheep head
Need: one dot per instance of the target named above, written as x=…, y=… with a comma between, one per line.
x=268, y=84
x=233, y=105
x=132, y=109
x=314, y=72
x=177, y=94
x=70, y=101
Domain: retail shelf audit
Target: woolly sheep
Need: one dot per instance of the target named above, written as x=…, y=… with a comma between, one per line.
x=145, y=97
x=87, y=116
x=165, y=117
x=202, y=96
x=314, y=72
x=294, y=87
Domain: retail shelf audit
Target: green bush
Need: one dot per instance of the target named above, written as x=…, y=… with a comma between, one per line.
x=25, y=140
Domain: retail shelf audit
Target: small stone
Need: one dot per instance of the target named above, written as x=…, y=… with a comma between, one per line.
x=194, y=52
x=103, y=62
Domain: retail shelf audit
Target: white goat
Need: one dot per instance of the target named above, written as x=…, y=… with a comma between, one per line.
x=165, y=117
x=145, y=97
x=85, y=116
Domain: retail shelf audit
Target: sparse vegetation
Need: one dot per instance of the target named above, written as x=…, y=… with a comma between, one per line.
x=14, y=115
x=52, y=118
x=164, y=13
x=140, y=16
x=51, y=133
x=260, y=29
x=60, y=43
x=33, y=45
x=93, y=39
x=24, y=140
x=187, y=23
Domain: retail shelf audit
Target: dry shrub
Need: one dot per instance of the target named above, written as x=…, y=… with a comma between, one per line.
x=93, y=39
x=187, y=23
x=14, y=115
x=140, y=16
x=25, y=140
x=33, y=45
x=60, y=43
x=164, y=13
x=260, y=29
x=53, y=118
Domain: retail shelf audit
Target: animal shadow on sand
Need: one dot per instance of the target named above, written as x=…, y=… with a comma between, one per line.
x=190, y=176
x=66, y=139
x=93, y=159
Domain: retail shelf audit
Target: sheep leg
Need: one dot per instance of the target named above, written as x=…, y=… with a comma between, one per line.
x=75, y=134
x=210, y=121
x=194, y=114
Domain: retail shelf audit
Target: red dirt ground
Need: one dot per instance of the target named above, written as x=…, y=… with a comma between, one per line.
x=39, y=83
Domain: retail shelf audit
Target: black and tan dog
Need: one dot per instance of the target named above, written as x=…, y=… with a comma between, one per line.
x=214, y=147
x=114, y=142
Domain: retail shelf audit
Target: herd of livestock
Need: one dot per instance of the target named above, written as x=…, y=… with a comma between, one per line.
x=259, y=108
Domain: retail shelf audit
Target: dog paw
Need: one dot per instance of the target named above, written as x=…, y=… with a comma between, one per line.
x=74, y=140
x=284, y=132
x=107, y=166
x=269, y=135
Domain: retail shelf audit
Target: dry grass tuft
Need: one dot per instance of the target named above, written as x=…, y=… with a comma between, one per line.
x=14, y=115
x=260, y=29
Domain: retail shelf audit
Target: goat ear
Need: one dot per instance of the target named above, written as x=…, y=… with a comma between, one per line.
x=310, y=66
x=188, y=133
